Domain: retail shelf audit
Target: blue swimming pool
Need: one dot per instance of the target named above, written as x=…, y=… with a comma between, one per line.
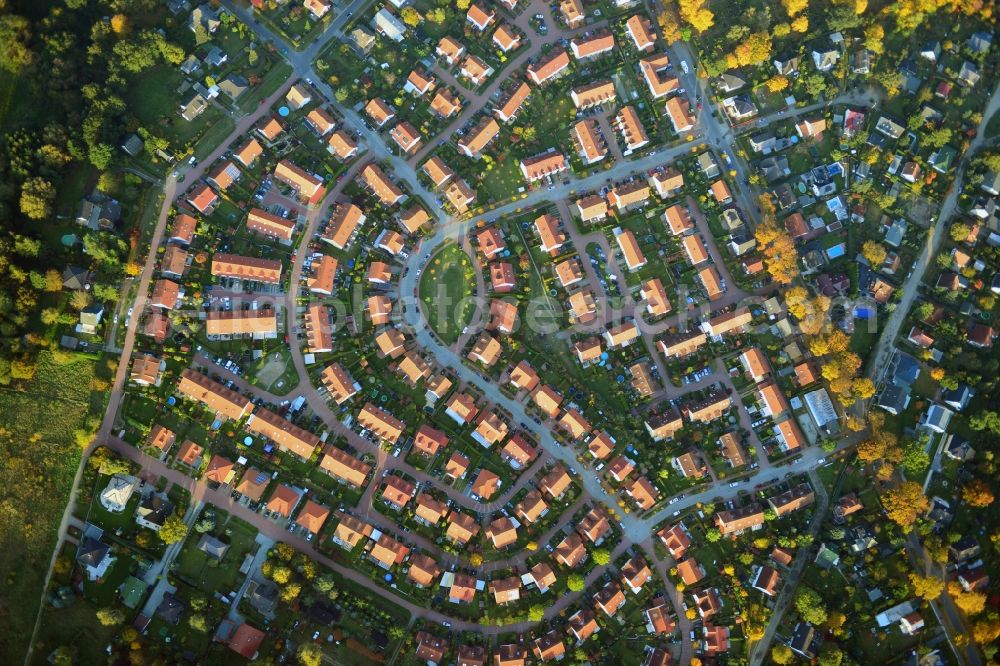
x=836, y=251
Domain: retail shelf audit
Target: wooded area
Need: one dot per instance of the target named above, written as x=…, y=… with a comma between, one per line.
x=65, y=71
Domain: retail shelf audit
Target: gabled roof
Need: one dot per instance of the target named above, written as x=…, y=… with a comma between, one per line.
x=283, y=499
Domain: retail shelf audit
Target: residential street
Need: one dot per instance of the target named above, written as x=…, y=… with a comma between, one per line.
x=786, y=596
x=929, y=251
x=711, y=132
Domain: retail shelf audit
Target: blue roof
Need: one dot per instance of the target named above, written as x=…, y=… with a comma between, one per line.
x=907, y=369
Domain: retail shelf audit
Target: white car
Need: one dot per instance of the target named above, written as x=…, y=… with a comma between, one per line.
x=684, y=66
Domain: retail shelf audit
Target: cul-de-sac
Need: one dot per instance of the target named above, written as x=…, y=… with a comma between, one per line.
x=499, y=332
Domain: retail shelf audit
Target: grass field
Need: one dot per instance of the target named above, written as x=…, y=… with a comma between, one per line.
x=275, y=372
x=503, y=180
x=37, y=425
x=77, y=626
x=446, y=292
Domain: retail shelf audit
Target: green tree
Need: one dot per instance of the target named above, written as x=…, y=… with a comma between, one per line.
x=830, y=655
x=810, y=605
x=173, y=529
x=536, y=613
x=924, y=311
x=15, y=33
x=915, y=458
x=712, y=535
x=204, y=525
x=937, y=137
x=100, y=155
x=326, y=585
x=575, y=582
x=601, y=557
x=114, y=465
x=986, y=420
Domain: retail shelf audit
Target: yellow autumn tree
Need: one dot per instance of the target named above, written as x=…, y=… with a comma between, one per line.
x=970, y=603
x=863, y=388
x=884, y=472
x=780, y=256
x=756, y=48
x=119, y=24
x=795, y=300
x=855, y=423
x=874, y=252
x=411, y=17
x=841, y=385
x=837, y=340
x=875, y=38
x=814, y=318
x=926, y=587
x=905, y=503
x=670, y=24
x=794, y=7
x=696, y=14
x=875, y=447
x=777, y=83
x=977, y=493
x=985, y=631
x=800, y=24
x=847, y=363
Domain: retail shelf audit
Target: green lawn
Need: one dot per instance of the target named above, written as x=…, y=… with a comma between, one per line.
x=208, y=574
x=862, y=339
x=105, y=591
x=153, y=99
x=275, y=372
x=37, y=425
x=110, y=520
x=268, y=84
x=446, y=292
x=503, y=179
